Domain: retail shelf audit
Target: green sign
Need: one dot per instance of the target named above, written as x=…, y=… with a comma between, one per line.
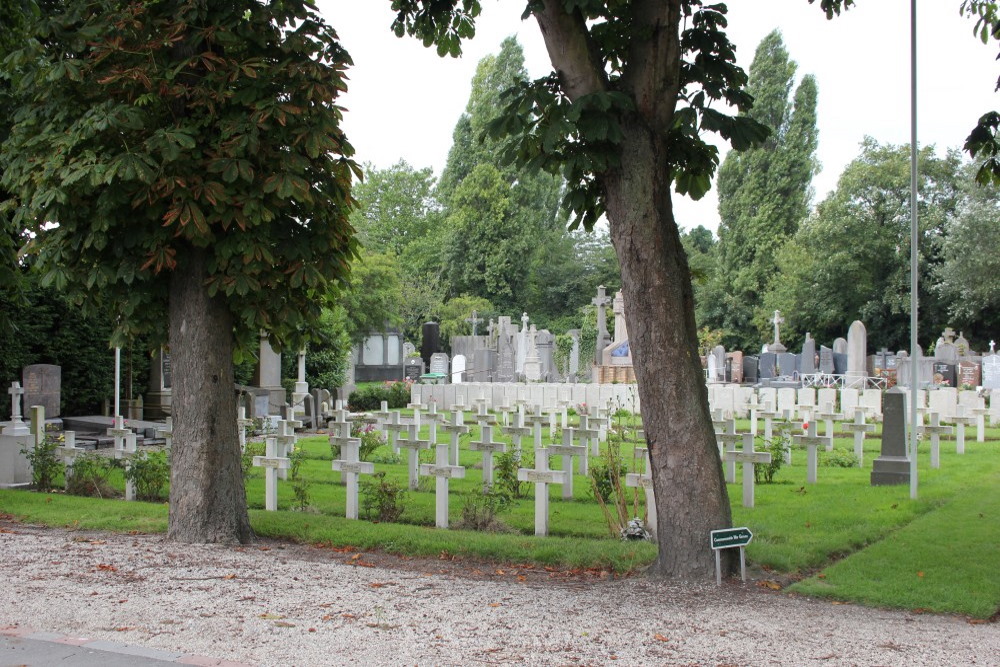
x=731, y=537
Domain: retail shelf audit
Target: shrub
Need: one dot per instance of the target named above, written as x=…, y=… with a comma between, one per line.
x=838, y=458
x=371, y=439
x=396, y=394
x=763, y=473
x=480, y=510
x=300, y=485
x=604, y=481
x=382, y=499
x=45, y=464
x=88, y=476
x=505, y=467
x=251, y=450
x=149, y=472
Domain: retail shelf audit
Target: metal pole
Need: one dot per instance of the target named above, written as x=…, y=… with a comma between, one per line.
x=118, y=373
x=914, y=259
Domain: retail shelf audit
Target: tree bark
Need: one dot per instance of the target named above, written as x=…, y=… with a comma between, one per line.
x=207, y=495
x=688, y=483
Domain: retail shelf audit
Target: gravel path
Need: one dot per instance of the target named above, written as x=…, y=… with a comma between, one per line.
x=276, y=604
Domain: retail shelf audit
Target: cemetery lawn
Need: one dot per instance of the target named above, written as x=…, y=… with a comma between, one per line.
x=840, y=538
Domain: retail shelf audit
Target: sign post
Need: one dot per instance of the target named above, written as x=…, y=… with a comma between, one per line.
x=729, y=538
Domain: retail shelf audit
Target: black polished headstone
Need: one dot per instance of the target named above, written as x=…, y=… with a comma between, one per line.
x=945, y=373
x=839, y=363
x=430, y=341
x=767, y=366
x=826, y=360
x=750, y=369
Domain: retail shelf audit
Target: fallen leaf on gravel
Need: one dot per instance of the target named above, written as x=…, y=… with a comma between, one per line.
x=376, y=584
x=123, y=628
x=355, y=556
x=773, y=585
x=283, y=624
x=521, y=577
x=660, y=638
x=106, y=567
x=312, y=629
x=326, y=617
x=348, y=616
x=494, y=604
x=977, y=621
x=501, y=572
x=270, y=616
x=229, y=576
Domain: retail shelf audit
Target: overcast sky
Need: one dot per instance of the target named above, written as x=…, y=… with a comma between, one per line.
x=403, y=100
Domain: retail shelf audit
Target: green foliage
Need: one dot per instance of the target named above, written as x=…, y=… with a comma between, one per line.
x=480, y=511
x=505, y=466
x=45, y=464
x=150, y=473
x=371, y=439
x=382, y=499
x=838, y=458
x=300, y=484
x=453, y=314
x=763, y=193
x=396, y=394
x=224, y=137
x=605, y=481
x=252, y=449
x=396, y=206
x=562, y=353
x=89, y=476
x=763, y=473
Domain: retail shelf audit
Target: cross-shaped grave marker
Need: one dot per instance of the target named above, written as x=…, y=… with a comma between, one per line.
x=588, y=434
x=433, y=417
x=536, y=420
x=936, y=429
x=748, y=457
x=242, y=423
x=727, y=440
x=16, y=426
x=383, y=414
x=599, y=419
x=753, y=405
x=980, y=416
x=410, y=441
x=286, y=442
x=350, y=466
x=393, y=429
x=811, y=442
x=769, y=416
x=961, y=420
x=488, y=446
x=126, y=453
x=517, y=431
x=568, y=451
x=456, y=429
x=443, y=472
x=541, y=477
x=828, y=414
x=483, y=417
x=859, y=427
x=68, y=451
x=416, y=407
x=118, y=432
x=645, y=480
x=272, y=463
x=474, y=321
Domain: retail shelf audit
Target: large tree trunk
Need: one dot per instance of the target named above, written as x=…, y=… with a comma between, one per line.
x=690, y=490
x=207, y=496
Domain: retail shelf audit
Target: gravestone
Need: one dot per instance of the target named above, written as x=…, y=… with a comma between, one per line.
x=807, y=363
x=442, y=471
x=839, y=363
x=506, y=369
x=458, y=369
x=767, y=366
x=811, y=441
x=786, y=364
x=750, y=366
x=541, y=476
x=857, y=353
x=350, y=466
x=413, y=369
x=826, y=360
x=893, y=465
x=748, y=457
x=991, y=371
x=439, y=363
x=944, y=374
x=968, y=374
x=840, y=346
x=719, y=353
x=430, y=342
x=859, y=428
x=272, y=463
x=935, y=429
x=645, y=480
x=42, y=384
x=484, y=366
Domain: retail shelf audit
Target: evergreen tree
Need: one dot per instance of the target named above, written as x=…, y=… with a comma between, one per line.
x=764, y=193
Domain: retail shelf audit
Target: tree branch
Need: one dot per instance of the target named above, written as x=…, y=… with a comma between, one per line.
x=572, y=52
x=653, y=71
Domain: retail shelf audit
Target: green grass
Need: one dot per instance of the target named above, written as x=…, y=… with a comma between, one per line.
x=842, y=537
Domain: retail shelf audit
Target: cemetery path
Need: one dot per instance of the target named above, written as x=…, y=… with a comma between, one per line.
x=284, y=604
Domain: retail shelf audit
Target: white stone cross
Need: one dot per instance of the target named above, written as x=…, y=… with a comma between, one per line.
x=271, y=463
x=727, y=440
x=588, y=434
x=410, y=441
x=859, y=427
x=536, y=420
x=286, y=442
x=568, y=451
x=128, y=451
x=456, y=430
x=443, y=472
x=777, y=320
x=645, y=480
x=433, y=417
x=339, y=416
x=241, y=426
x=811, y=442
x=936, y=429
x=754, y=407
x=416, y=407
x=980, y=415
x=68, y=451
x=780, y=430
x=517, y=431
x=541, y=477
x=599, y=418
x=828, y=414
x=769, y=416
x=961, y=420
x=488, y=446
x=118, y=432
x=383, y=414
x=350, y=466
x=484, y=418
x=393, y=429
x=748, y=457
x=15, y=391
x=167, y=433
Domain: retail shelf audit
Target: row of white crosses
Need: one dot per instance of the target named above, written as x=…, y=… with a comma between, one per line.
x=727, y=439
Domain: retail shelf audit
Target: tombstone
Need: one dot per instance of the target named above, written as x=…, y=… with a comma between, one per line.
x=439, y=364
x=126, y=453
x=271, y=463
x=601, y=301
x=506, y=368
x=859, y=428
x=840, y=346
x=811, y=441
x=413, y=368
x=41, y=383
x=268, y=376
x=828, y=414
x=712, y=373
x=893, y=465
x=456, y=429
x=350, y=466
x=484, y=365
x=944, y=374
x=807, y=363
x=442, y=471
x=430, y=342
x=962, y=346
x=969, y=375
x=748, y=457
x=568, y=450
x=541, y=477
x=727, y=440
x=517, y=431
x=532, y=367
x=545, y=344
x=488, y=446
x=776, y=345
x=68, y=451
x=786, y=364
x=826, y=360
x=767, y=366
x=961, y=420
x=751, y=365
x=159, y=396
x=413, y=444
x=839, y=363
x=857, y=354
x=935, y=429
x=945, y=349
x=991, y=371
x=645, y=480
x=719, y=354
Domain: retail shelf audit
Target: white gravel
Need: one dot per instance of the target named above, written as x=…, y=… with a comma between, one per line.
x=275, y=604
